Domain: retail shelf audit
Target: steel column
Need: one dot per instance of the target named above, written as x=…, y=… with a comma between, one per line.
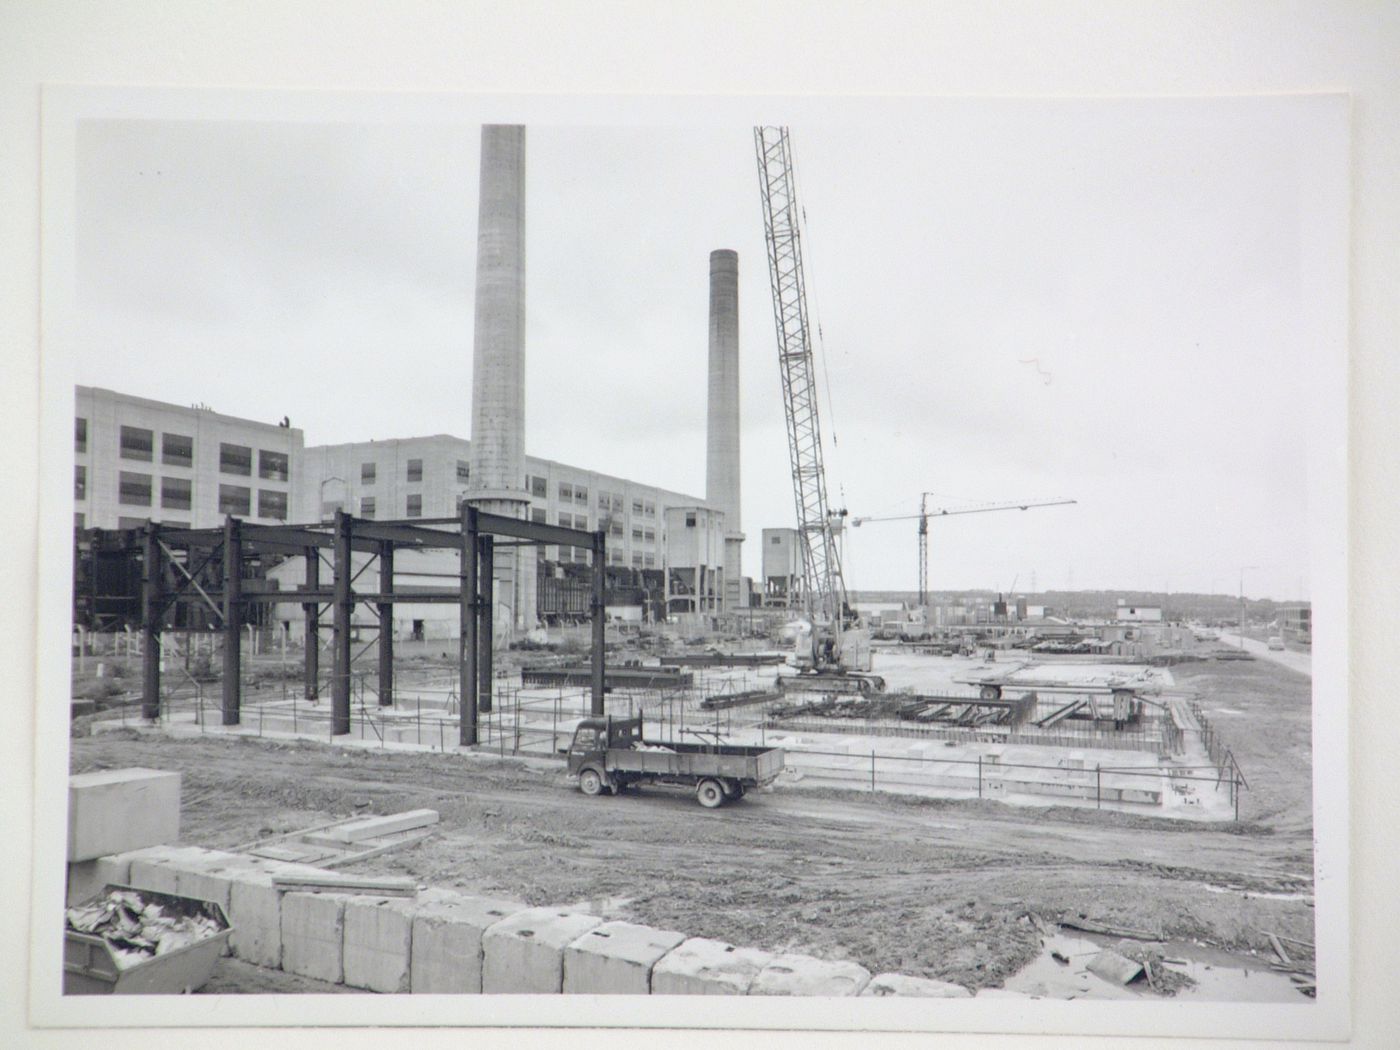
x=599, y=607
x=386, y=624
x=487, y=613
x=233, y=619
x=343, y=607
x=467, y=641
x=150, y=623
x=312, y=609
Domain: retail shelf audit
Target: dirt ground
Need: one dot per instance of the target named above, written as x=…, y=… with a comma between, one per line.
x=926, y=887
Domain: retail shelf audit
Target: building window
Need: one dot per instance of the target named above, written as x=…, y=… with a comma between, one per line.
x=581, y=522
x=636, y=506
x=137, y=443
x=415, y=470
x=539, y=516
x=272, y=466
x=236, y=500
x=124, y=522
x=580, y=493
x=636, y=535
x=690, y=519
x=604, y=502
x=79, y=482
x=614, y=528
x=78, y=520
x=177, y=450
x=175, y=493
x=649, y=535
x=235, y=459
x=636, y=561
x=538, y=487
x=464, y=470
x=649, y=561
x=566, y=491
x=367, y=506
x=566, y=520
x=415, y=505
x=80, y=434
x=649, y=509
x=776, y=540
x=134, y=490
x=272, y=504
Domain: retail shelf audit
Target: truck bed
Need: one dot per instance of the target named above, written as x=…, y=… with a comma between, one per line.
x=754, y=764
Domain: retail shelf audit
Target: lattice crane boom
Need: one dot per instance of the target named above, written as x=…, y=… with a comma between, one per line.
x=823, y=587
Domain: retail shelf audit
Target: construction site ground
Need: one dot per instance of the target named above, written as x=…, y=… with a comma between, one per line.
x=935, y=888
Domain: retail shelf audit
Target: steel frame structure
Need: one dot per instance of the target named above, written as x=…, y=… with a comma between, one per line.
x=184, y=556
x=823, y=586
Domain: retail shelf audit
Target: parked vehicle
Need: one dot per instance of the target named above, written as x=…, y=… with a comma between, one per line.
x=1276, y=643
x=609, y=754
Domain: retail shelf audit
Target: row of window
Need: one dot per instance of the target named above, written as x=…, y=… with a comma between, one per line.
x=138, y=490
x=413, y=469
x=570, y=492
x=177, y=450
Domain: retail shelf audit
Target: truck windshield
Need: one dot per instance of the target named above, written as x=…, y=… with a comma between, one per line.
x=587, y=739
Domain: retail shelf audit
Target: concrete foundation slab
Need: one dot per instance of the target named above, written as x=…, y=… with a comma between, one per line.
x=524, y=952
x=700, y=966
x=378, y=941
x=804, y=975
x=903, y=984
x=313, y=935
x=446, y=942
x=116, y=810
x=374, y=827
x=616, y=958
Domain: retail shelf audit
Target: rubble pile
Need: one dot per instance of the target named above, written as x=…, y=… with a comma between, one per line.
x=138, y=929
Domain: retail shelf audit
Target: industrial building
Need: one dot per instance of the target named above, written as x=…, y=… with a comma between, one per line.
x=137, y=460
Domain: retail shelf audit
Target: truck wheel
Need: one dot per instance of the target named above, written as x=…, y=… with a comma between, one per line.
x=590, y=783
x=709, y=794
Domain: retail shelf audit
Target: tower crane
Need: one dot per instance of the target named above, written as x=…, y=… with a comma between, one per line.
x=924, y=514
x=837, y=649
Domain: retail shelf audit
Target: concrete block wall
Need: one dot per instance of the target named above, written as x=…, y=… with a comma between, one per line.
x=450, y=943
x=115, y=810
x=616, y=958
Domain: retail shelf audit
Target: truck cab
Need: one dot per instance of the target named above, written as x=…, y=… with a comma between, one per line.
x=595, y=736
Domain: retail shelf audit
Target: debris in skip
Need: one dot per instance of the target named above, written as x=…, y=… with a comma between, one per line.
x=138, y=929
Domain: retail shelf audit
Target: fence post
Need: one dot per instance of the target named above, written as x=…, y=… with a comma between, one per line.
x=872, y=771
x=979, y=776
x=1235, y=790
x=1098, y=786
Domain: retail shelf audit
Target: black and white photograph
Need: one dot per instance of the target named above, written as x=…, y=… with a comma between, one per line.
x=538, y=559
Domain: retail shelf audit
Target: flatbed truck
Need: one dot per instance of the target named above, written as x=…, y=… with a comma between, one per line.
x=609, y=755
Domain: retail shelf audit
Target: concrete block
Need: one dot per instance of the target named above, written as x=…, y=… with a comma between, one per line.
x=446, y=949
x=903, y=984
x=701, y=966
x=116, y=810
x=616, y=958
x=378, y=942
x=255, y=909
x=524, y=952
x=804, y=975
x=158, y=867
x=82, y=882
x=313, y=935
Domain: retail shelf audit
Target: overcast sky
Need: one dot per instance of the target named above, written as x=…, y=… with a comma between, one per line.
x=1101, y=300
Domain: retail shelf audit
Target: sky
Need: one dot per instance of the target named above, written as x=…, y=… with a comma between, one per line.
x=1103, y=300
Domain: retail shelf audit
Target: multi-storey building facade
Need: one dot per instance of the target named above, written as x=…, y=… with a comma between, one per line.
x=137, y=460
x=428, y=477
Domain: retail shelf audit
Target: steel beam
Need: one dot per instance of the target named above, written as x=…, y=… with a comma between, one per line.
x=487, y=614
x=467, y=641
x=312, y=611
x=342, y=607
x=405, y=535
x=150, y=623
x=386, y=624
x=233, y=620
x=599, y=605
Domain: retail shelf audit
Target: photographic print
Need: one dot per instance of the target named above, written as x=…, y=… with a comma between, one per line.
x=876, y=550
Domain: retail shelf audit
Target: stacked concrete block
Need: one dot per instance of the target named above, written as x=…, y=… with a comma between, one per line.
x=616, y=958
x=378, y=942
x=116, y=810
x=158, y=867
x=700, y=966
x=804, y=975
x=313, y=935
x=524, y=952
x=447, y=940
x=904, y=985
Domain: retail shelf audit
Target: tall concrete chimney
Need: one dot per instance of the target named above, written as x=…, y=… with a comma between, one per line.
x=722, y=430
x=497, y=482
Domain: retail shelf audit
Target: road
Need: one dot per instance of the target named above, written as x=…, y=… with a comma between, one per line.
x=1289, y=658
